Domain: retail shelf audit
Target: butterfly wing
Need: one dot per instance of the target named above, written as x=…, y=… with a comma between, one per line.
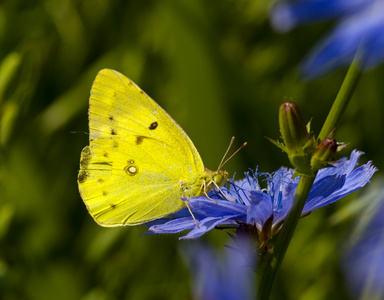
x=139, y=159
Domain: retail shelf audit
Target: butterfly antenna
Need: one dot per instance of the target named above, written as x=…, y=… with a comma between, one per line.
x=82, y=132
x=226, y=152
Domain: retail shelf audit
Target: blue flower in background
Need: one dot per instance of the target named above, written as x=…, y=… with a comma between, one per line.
x=222, y=277
x=260, y=207
x=363, y=258
x=360, y=29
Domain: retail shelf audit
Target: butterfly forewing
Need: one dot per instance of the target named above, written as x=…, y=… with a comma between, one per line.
x=138, y=159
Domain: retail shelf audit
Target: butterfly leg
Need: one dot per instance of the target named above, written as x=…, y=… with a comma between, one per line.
x=222, y=193
x=204, y=187
x=190, y=211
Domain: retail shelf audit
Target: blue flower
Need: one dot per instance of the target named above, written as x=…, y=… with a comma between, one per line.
x=222, y=277
x=246, y=202
x=360, y=29
x=363, y=258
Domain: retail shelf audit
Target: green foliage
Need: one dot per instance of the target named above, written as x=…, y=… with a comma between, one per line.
x=219, y=70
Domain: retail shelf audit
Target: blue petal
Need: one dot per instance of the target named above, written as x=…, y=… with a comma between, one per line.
x=343, y=166
x=287, y=15
x=218, y=277
x=173, y=226
x=363, y=32
x=322, y=189
x=206, y=207
x=359, y=30
x=209, y=223
x=260, y=209
x=363, y=260
x=333, y=187
x=356, y=180
x=208, y=215
x=283, y=203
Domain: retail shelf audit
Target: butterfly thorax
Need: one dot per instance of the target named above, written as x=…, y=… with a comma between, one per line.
x=208, y=181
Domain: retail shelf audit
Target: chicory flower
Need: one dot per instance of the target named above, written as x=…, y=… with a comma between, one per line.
x=246, y=202
x=359, y=32
x=363, y=256
x=222, y=276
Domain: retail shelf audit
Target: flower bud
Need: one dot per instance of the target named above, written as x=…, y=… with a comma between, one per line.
x=324, y=153
x=299, y=143
x=292, y=127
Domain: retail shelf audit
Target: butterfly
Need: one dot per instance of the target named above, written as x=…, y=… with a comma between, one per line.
x=139, y=163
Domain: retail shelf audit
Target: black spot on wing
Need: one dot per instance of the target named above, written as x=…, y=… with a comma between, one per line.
x=84, y=162
x=139, y=139
x=83, y=175
x=103, y=163
x=85, y=158
x=113, y=131
x=86, y=151
x=153, y=126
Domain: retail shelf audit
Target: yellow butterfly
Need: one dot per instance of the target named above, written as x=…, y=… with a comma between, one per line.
x=139, y=162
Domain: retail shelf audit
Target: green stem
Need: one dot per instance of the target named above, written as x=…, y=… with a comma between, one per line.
x=285, y=236
x=342, y=100
x=305, y=184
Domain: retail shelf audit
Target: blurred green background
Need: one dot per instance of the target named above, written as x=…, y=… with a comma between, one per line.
x=220, y=70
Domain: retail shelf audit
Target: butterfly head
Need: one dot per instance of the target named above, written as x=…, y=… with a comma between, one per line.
x=219, y=177
x=212, y=180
